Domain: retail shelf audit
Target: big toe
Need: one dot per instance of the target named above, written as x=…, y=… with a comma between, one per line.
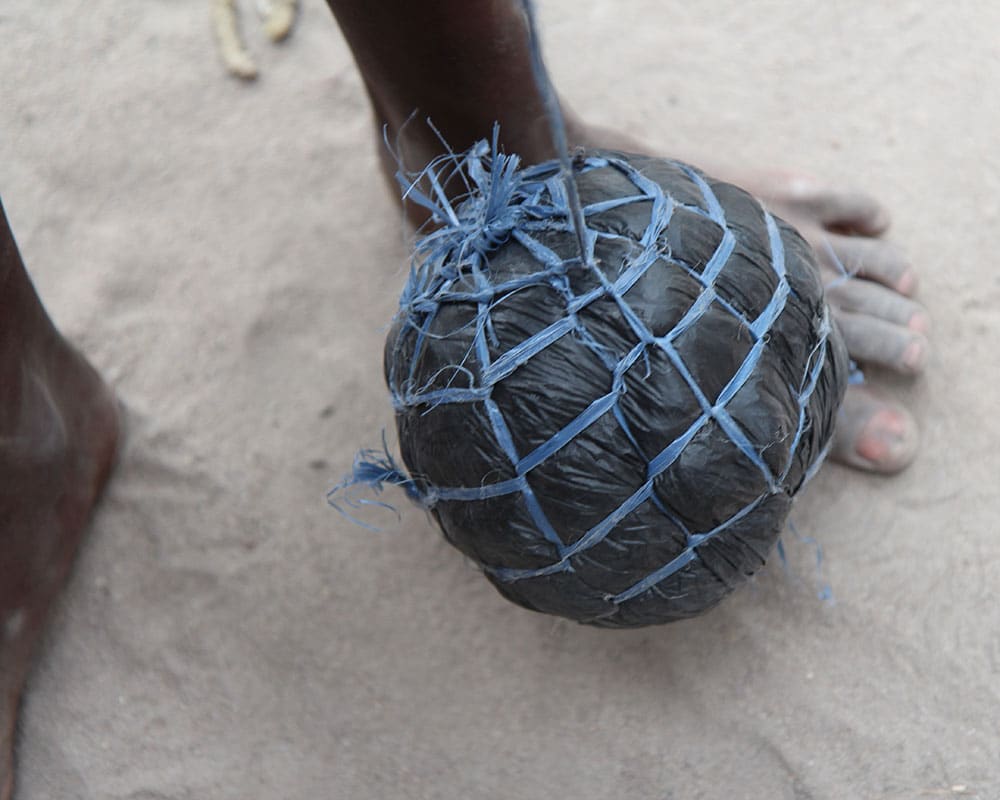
x=874, y=434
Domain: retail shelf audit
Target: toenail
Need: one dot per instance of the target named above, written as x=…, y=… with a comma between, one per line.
x=891, y=423
x=883, y=439
x=907, y=282
x=873, y=449
x=919, y=322
x=913, y=355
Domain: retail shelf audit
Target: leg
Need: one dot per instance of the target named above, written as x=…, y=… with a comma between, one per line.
x=463, y=70
x=466, y=70
x=58, y=431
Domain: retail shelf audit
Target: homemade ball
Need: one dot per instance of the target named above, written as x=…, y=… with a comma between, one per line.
x=614, y=438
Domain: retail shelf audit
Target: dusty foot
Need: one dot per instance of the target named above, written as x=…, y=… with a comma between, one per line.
x=58, y=434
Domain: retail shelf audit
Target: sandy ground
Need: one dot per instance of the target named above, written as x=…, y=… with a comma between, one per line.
x=228, y=256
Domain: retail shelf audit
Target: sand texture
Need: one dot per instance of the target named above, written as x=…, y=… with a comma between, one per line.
x=227, y=254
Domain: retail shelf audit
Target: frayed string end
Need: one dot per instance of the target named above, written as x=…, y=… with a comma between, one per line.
x=373, y=469
x=824, y=591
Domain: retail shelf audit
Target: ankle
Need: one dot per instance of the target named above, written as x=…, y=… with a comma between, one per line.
x=463, y=71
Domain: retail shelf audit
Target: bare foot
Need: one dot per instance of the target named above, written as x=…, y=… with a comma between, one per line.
x=58, y=435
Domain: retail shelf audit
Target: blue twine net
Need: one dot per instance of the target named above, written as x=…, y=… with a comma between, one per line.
x=615, y=436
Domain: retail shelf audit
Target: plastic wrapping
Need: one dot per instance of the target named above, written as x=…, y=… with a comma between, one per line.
x=615, y=438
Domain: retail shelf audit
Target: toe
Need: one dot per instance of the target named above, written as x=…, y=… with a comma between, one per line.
x=847, y=211
x=871, y=340
x=804, y=198
x=874, y=259
x=867, y=297
x=874, y=434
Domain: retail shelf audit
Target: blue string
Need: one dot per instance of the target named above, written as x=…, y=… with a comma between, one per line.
x=450, y=264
